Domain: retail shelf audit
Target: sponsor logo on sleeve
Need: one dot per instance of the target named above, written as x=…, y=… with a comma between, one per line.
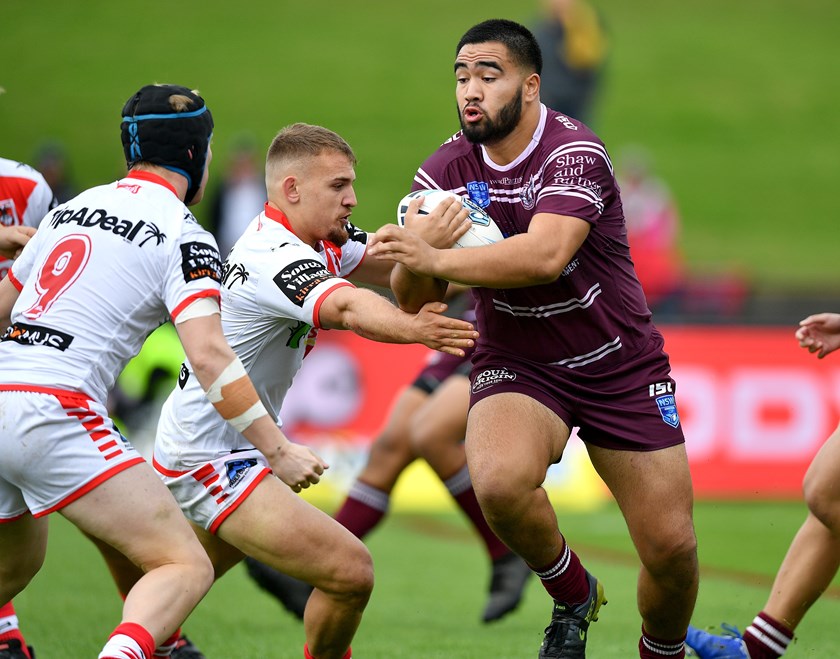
x=199, y=260
x=490, y=377
x=297, y=280
x=37, y=335
x=236, y=469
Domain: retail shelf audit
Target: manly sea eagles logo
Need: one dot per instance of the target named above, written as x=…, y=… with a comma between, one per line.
x=527, y=195
x=490, y=377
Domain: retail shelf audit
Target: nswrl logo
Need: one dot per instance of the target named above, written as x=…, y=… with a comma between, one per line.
x=236, y=469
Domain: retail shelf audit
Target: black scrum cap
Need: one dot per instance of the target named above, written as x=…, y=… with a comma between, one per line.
x=154, y=131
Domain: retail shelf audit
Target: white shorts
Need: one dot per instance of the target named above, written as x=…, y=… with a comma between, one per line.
x=210, y=490
x=55, y=446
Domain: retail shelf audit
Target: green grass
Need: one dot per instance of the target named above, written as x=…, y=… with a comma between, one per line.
x=736, y=101
x=430, y=583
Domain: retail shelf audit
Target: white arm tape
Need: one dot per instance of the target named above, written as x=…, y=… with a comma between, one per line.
x=203, y=306
x=215, y=394
x=241, y=422
x=233, y=371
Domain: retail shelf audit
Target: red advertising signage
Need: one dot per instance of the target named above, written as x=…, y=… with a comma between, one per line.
x=754, y=406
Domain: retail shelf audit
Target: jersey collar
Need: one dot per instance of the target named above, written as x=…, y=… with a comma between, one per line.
x=143, y=175
x=532, y=145
x=278, y=216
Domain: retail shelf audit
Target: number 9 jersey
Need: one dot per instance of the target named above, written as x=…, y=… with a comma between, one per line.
x=103, y=271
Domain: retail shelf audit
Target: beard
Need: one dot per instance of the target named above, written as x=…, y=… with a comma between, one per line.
x=491, y=131
x=338, y=236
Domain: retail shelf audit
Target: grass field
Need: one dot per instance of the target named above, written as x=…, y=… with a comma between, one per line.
x=736, y=101
x=431, y=577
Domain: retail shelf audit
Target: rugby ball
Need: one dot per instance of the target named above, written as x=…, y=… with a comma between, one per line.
x=483, y=231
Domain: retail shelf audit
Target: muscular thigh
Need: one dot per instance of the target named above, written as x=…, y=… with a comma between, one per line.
x=444, y=415
x=646, y=481
x=823, y=474
x=278, y=527
x=513, y=437
x=135, y=514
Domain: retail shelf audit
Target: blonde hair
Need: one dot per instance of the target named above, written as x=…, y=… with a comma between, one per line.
x=181, y=103
x=303, y=141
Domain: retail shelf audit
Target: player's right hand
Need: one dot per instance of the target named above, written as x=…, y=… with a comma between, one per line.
x=298, y=466
x=450, y=335
x=13, y=239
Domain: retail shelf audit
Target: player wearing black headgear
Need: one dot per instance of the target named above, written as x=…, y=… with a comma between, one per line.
x=103, y=271
x=170, y=126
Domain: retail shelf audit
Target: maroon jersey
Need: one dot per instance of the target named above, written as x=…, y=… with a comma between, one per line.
x=595, y=315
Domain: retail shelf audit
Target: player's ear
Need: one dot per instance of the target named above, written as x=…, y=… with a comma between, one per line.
x=531, y=88
x=289, y=188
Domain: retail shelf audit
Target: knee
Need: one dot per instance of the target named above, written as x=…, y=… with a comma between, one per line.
x=499, y=499
x=203, y=571
x=356, y=580
x=391, y=446
x=671, y=552
x=424, y=440
x=823, y=501
x=14, y=578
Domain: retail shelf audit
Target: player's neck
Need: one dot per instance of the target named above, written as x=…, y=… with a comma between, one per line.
x=511, y=147
x=174, y=179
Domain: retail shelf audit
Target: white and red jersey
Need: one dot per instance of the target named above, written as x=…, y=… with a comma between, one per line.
x=25, y=197
x=273, y=285
x=103, y=271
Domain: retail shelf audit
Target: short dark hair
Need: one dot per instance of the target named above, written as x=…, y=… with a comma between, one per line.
x=523, y=46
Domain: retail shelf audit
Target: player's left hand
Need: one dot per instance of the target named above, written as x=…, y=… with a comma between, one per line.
x=442, y=333
x=298, y=466
x=395, y=243
x=820, y=333
x=447, y=222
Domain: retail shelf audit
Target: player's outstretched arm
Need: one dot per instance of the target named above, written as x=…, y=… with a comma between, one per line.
x=820, y=333
x=13, y=240
x=232, y=393
x=372, y=316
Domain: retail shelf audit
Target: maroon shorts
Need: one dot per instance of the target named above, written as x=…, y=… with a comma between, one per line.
x=631, y=408
x=439, y=367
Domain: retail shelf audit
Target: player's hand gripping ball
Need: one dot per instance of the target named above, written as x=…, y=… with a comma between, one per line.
x=483, y=230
